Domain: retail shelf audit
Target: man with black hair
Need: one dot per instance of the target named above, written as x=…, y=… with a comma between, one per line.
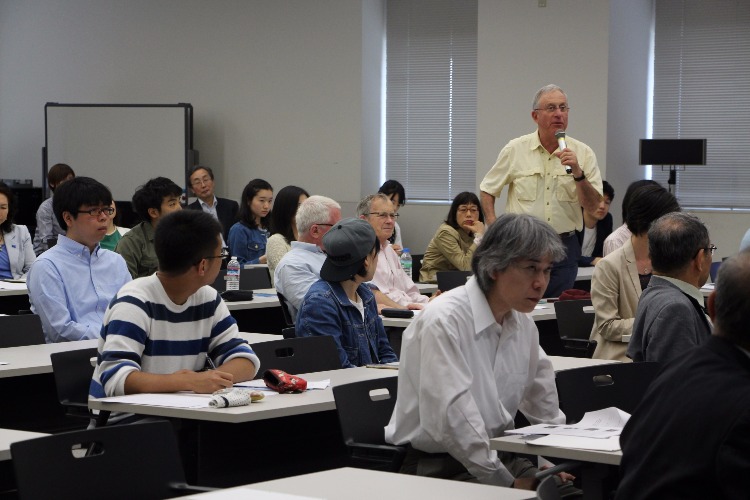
x=223, y=209
x=162, y=330
x=670, y=318
x=71, y=284
x=152, y=201
x=47, y=226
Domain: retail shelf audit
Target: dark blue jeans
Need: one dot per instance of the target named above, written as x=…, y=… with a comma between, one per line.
x=564, y=272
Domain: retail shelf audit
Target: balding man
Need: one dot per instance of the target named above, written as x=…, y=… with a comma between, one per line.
x=670, y=318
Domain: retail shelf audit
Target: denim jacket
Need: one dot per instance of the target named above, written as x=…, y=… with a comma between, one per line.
x=248, y=245
x=327, y=310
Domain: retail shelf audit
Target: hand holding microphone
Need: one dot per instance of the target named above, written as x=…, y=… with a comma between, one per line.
x=560, y=135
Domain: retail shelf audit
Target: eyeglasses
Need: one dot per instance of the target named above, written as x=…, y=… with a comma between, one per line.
x=321, y=224
x=198, y=182
x=472, y=210
x=564, y=108
x=95, y=212
x=711, y=249
x=384, y=215
x=223, y=256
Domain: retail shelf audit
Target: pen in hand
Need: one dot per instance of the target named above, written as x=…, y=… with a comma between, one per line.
x=210, y=363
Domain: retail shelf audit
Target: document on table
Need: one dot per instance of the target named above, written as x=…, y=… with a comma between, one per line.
x=251, y=494
x=599, y=424
x=611, y=443
x=176, y=400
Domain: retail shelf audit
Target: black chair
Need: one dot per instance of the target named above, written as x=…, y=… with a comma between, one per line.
x=416, y=266
x=253, y=278
x=600, y=386
x=130, y=461
x=363, y=412
x=21, y=330
x=547, y=489
x=73, y=371
x=285, y=310
x=298, y=355
x=714, y=270
x=288, y=332
x=448, y=280
x=574, y=327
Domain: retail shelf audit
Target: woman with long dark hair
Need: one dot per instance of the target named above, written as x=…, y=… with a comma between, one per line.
x=248, y=237
x=283, y=224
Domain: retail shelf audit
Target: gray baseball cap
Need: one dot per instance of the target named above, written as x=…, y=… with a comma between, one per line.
x=347, y=244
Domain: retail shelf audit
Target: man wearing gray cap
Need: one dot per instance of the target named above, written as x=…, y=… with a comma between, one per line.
x=340, y=304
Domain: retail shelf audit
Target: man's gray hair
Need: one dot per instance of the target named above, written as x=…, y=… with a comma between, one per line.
x=364, y=205
x=314, y=210
x=511, y=238
x=674, y=240
x=546, y=90
x=732, y=301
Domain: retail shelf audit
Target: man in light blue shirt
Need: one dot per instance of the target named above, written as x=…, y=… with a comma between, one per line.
x=300, y=267
x=71, y=284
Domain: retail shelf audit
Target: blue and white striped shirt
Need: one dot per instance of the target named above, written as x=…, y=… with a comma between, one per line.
x=144, y=330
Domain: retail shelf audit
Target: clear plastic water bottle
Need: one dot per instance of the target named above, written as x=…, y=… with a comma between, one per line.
x=406, y=262
x=233, y=274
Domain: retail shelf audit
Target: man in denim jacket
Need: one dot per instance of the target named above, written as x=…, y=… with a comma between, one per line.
x=340, y=304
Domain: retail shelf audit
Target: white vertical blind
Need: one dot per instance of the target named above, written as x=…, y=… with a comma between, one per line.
x=702, y=90
x=431, y=90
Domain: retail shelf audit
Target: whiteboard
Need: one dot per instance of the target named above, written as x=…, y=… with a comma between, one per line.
x=121, y=146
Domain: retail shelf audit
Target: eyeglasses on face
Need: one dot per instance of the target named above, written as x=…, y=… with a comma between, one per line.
x=199, y=182
x=223, y=256
x=384, y=215
x=564, y=108
x=710, y=249
x=96, y=212
x=471, y=210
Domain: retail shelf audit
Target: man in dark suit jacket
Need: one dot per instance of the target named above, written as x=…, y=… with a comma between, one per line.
x=690, y=436
x=223, y=209
x=597, y=226
x=670, y=318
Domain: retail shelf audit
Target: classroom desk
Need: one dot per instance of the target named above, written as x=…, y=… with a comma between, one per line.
x=8, y=436
x=347, y=482
x=281, y=405
x=35, y=359
x=596, y=470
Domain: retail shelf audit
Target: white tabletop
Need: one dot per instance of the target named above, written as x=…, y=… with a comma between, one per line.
x=263, y=297
x=281, y=405
x=427, y=288
x=567, y=362
x=516, y=444
x=347, y=483
x=585, y=273
x=8, y=436
x=35, y=359
x=541, y=313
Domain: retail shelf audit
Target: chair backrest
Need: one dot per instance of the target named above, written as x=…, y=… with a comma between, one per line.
x=285, y=310
x=253, y=278
x=416, y=266
x=73, y=372
x=20, y=330
x=714, y=270
x=126, y=461
x=572, y=322
x=547, y=489
x=448, y=280
x=600, y=386
x=298, y=355
x=364, y=409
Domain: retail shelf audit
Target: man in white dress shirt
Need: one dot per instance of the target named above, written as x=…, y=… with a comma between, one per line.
x=472, y=359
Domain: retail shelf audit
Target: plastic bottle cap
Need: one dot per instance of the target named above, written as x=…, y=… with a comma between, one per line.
x=405, y=250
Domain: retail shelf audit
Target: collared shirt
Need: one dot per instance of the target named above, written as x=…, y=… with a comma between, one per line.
x=297, y=271
x=463, y=376
x=538, y=184
x=689, y=290
x=46, y=226
x=137, y=248
x=617, y=239
x=391, y=279
x=70, y=288
x=209, y=209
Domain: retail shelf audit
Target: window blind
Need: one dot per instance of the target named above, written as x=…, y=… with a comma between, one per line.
x=702, y=90
x=431, y=88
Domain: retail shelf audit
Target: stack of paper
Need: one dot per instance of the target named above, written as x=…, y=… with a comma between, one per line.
x=598, y=430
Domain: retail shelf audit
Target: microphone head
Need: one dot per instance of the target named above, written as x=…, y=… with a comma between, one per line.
x=560, y=134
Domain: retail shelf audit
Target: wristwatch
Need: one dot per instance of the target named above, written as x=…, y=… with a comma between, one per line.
x=579, y=179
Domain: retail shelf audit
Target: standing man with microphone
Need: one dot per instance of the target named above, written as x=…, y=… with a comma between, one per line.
x=550, y=176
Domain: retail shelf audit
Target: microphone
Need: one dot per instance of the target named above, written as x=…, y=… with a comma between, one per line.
x=560, y=135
